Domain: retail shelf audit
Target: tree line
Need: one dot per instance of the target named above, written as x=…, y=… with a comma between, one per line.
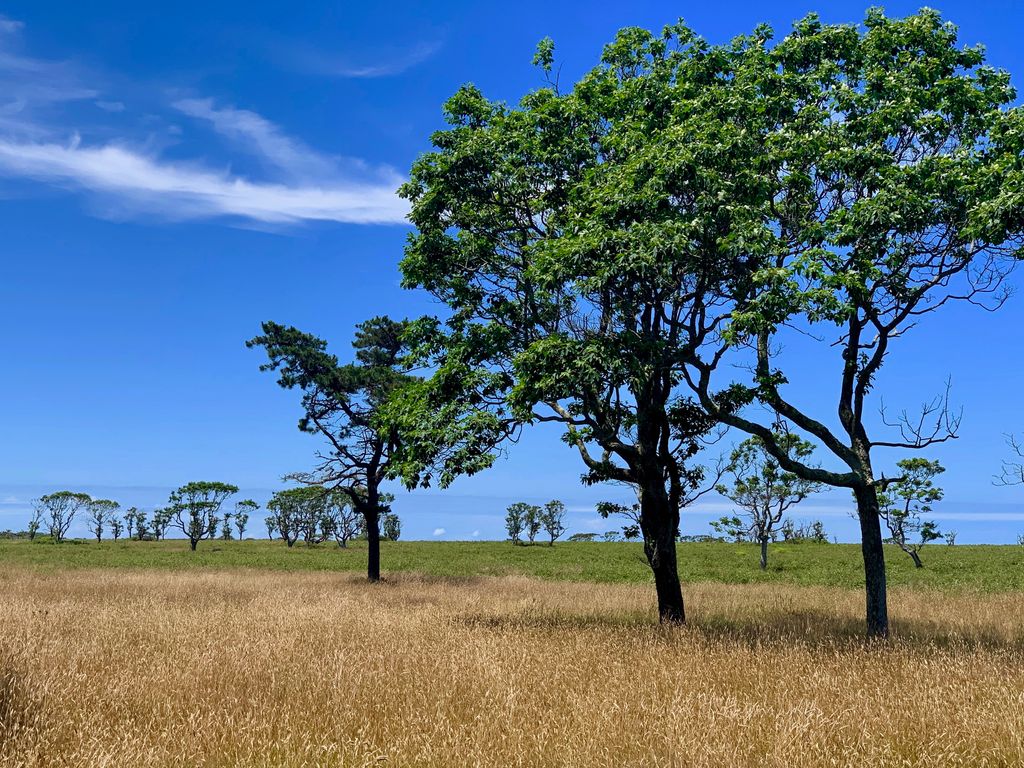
x=197, y=510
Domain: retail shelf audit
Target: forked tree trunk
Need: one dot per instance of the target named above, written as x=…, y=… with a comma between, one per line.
x=764, y=553
x=659, y=524
x=874, y=561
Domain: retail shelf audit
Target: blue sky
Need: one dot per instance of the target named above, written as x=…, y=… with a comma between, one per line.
x=171, y=175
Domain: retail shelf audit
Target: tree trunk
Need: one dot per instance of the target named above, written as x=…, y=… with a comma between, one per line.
x=192, y=543
x=874, y=562
x=764, y=552
x=659, y=523
x=372, y=518
x=916, y=558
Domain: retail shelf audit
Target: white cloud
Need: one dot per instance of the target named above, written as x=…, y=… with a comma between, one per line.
x=475, y=534
x=440, y=531
x=260, y=136
x=321, y=64
x=140, y=183
x=110, y=106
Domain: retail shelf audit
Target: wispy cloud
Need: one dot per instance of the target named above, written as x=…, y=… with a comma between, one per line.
x=259, y=136
x=110, y=106
x=319, y=63
x=440, y=531
x=138, y=183
x=9, y=26
x=131, y=178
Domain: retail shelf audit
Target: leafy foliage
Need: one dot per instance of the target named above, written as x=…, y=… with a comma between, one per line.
x=59, y=510
x=905, y=501
x=762, y=490
x=194, y=509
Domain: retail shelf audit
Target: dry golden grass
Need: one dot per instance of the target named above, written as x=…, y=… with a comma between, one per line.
x=254, y=669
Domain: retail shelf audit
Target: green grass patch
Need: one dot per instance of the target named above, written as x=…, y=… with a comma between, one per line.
x=960, y=568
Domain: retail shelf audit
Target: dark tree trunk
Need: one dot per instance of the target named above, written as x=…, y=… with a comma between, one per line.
x=764, y=552
x=372, y=518
x=916, y=558
x=659, y=523
x=874, y=561
x=192, y=543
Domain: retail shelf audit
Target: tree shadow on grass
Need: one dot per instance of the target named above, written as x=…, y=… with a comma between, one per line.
x=808, y=628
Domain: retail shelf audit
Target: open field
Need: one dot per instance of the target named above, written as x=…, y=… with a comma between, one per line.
x=244, y=668
x=960, y=568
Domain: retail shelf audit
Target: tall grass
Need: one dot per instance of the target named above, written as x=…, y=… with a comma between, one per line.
x=145, y=668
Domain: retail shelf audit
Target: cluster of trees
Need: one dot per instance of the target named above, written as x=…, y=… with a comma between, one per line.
x=316, y=514
x=195, y=509
x=528, y=520
x=629, y=257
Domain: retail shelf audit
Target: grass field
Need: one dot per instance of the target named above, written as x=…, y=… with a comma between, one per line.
x=221, y=668
x=250, y=654
x=960, y=568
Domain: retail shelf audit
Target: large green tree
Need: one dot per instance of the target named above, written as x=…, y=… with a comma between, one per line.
x=610, y=251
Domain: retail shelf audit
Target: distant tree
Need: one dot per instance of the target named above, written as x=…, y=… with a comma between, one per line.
x=515, y=520
x=136, y=523
x=35, y=522
x=532, y=521
x=160, y=522
x=225, y=527
x=391, y=526
x=241, y=515
x=904, y=502
x=813, y=532
x=584, y=537
x=116, y=527
x=299, y=513
x=345, y=523
x=129, y=521
x=195, y=509
x=271, y=523
x=552, y=520
x=762, y=489
x=60, y=509
x=99, y=512
x=950, y=537
x=611, y=536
